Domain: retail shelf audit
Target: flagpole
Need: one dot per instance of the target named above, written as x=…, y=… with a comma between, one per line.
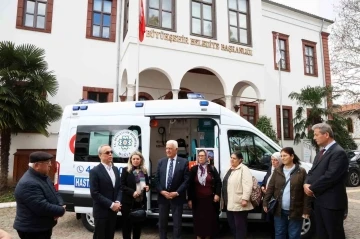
x=138, y=57
x=138, y=74
x=280, y=93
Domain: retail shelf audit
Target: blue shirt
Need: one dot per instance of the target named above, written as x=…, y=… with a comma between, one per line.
x=286, y=195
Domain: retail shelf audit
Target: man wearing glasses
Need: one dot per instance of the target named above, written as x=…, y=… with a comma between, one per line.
x=106, y=194
x=38, y=205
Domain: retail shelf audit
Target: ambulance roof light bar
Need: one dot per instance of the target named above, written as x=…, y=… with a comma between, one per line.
x=83, y=107
x=195, y=96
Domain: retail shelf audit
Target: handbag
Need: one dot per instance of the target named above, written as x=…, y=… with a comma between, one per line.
x=255, y=196
x=272, y=205
x=137, y=214
x=275, y=201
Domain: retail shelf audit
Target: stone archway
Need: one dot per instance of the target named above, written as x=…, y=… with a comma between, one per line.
x=220, y=102
x=205, y=81
x=155, y=83
x=143, y=96
x=247, y=101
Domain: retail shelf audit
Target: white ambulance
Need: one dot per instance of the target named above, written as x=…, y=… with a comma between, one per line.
x=146, y=126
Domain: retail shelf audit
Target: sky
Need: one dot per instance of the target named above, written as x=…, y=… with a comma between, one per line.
x=322, y=8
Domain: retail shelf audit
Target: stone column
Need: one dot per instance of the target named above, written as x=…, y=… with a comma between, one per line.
x=261, y=107
x=228, y=102
x=130, y=92
x=175, y=93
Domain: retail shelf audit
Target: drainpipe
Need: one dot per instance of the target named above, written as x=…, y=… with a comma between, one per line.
x=322, y=58
x=118, y=59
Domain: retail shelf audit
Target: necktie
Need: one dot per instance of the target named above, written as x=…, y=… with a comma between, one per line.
x=321, y=153
x=170, y=174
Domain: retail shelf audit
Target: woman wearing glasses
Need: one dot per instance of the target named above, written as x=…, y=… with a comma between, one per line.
x=204, y=196
x=134, y=183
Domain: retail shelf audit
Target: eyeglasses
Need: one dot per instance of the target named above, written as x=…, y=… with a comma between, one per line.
x=108, y=152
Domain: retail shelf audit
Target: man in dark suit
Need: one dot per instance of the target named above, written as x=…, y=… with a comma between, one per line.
x=106, y=194
x=326, y=183
x=172, y=183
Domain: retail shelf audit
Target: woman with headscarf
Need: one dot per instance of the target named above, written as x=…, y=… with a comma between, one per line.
x=275, y=163
x=204, y=193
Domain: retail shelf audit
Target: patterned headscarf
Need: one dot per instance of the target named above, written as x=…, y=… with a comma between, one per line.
x=202, y=170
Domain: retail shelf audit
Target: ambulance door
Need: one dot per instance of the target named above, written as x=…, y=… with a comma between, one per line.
x=256, y=152
x=125, y=134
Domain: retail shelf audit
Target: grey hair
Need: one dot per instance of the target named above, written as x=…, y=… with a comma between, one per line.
x=324, y=128
x=101, y=146
x=173, y=142
x=31, y=165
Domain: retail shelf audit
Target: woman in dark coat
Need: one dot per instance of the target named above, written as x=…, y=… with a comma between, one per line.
x=204, y=193
x=292, y=203
x=134, y=184
x=275, y=163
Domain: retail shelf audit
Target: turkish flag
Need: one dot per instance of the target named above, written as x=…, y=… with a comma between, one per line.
x=141, y=22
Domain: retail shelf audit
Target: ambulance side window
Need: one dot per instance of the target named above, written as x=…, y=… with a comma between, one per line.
x=123, y=139
x=256, y=152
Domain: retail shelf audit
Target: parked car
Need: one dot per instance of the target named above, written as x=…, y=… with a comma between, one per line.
x=353, y=179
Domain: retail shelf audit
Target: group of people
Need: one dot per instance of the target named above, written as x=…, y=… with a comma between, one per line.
x=296, y=193
x=289, y=193
x=200, y=187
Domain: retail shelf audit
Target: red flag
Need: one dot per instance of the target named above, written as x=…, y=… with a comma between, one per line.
x=141, y=22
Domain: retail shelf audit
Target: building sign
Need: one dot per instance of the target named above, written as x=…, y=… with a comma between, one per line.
x=196, y=42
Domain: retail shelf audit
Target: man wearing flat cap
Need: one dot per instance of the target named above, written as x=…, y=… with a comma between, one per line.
x=38, y=205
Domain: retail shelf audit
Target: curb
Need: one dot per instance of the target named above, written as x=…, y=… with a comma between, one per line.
x=7, y=204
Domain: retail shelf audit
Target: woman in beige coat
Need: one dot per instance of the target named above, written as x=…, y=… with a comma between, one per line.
x=237, y=187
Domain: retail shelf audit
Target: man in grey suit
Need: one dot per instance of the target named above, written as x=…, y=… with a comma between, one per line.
x=326, y=183
x=172, y=183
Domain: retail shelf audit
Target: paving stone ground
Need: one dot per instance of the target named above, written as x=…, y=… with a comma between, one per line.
x=69, y=227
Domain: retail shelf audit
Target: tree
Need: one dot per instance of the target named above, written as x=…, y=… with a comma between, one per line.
x=310, y=101
x=25, y=82
x=345, y=49
x=265, y=126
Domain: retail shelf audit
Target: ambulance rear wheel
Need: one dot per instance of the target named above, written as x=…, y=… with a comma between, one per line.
x=88, y=221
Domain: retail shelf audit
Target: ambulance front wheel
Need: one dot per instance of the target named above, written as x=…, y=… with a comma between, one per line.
x=88, y=221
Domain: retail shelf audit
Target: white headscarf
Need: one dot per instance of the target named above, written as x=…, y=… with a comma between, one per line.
x=276, y=156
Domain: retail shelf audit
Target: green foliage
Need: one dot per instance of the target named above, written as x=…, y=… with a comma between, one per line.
x=7, y=195
x=25, y=82
x=310, y=101
x=265, y=126
x=341, y=135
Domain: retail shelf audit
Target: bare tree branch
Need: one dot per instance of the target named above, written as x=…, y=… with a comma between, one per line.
x=345, y=50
